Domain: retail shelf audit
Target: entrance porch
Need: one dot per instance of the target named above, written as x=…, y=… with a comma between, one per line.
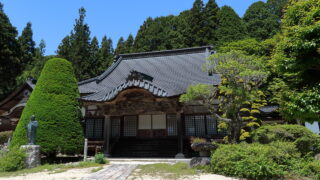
x=138, y=124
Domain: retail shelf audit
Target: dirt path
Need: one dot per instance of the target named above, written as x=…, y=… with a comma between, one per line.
x=114, y=171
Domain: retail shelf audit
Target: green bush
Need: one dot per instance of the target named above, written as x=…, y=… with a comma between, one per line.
x=99, y=158
x=13, y=160
x=276, y=160
x=254, y=161
x=306, y=141
x=54, y=102
x=4, y=136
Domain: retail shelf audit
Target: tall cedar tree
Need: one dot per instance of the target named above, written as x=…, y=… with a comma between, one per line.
x=261, y=23
x=10, y=53
x=158, y=34
x=76, y=48
x=230, y=26
x=27, y=46
x=106, y=53
x=95, y=58
x=129, y=44
x=54, y=102
x=34, y=69
x=121, y=46
x=196, y=24
x=211, y=22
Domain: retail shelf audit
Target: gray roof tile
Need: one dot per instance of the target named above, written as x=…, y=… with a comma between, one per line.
x=172, y=72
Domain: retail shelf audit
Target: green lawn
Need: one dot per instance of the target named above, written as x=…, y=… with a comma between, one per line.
x=52, y=168
x=164, y=170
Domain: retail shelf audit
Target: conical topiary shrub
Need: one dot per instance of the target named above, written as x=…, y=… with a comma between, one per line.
x=54, y=102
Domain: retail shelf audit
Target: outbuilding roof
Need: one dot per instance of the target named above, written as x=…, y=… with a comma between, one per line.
x=163, y=73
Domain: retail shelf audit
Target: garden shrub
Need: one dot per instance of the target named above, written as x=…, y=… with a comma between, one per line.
x=276, y=160
x=305, y=141
x=13, y=160
x=4, y=136
x=254, y=161
x=54, y=102
x=99, y=158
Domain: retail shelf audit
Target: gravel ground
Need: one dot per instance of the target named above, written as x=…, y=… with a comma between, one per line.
x=114, y=171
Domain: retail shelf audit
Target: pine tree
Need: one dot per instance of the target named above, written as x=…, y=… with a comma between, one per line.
x=76, y=47
x=27, y=46
x=10, y=53
x=230, y=26
x=211, y=22
x=261, y=23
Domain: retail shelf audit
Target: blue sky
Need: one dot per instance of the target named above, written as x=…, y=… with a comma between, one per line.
x=52, y=20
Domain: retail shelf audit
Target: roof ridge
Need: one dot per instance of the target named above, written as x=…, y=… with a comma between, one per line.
x=121, y=57
x=163, y=52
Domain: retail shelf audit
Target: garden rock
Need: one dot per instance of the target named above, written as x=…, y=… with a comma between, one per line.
x=199, y=161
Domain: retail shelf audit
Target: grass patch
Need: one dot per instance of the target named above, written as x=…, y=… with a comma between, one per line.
x=164, y=170
x=51, y=168
x=96, y=169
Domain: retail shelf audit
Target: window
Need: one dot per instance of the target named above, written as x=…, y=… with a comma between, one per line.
x=94, y=128
x=144, y=121
x=211, y=125
x=115, y=126
x=172, y=125
x=130, y=126
x=200, y=125
x=159, y=121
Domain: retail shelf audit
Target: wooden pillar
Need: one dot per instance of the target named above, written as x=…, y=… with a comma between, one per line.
x=106, y=135
x=180, y=137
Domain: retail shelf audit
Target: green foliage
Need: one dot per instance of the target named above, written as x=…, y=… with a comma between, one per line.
x=83, y=52
x=13, y=160
x=27, y=46
x=230, y=26
x=241, y=77
x=106, y=53
x=261, y=23
x=99, y=158
x=197, y=92
x=305, y=141
x=54, y=102
x=4, y=136
x=254, y=161
x=10, y=55
x=249, y=47
x=296, y=61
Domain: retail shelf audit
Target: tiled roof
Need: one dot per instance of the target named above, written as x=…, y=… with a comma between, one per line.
x=171, y=71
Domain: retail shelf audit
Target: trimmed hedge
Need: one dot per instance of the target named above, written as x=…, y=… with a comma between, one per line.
x=54, y=102
x=276, y=160
x=305, y=141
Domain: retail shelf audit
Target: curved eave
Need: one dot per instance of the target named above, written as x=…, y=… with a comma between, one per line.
x=109, y=96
